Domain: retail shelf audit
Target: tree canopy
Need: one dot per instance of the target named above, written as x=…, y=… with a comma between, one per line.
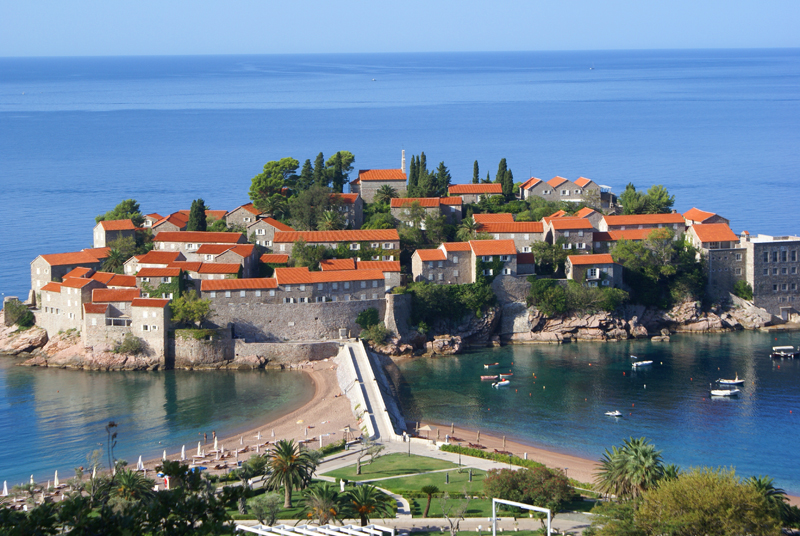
x=656, y=201
x=125, y=210
x=197, y=216
x=276, y=175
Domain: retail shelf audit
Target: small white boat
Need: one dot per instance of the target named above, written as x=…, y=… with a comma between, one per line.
x=490, y=365
x=634, y=357
x=641, y=364
x=736, y=381
x=506, y=375
x=614, y=413
x=725, y=392
x=784, y=352
x=501, y=383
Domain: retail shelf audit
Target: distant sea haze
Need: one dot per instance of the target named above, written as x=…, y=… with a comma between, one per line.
x=77, y=135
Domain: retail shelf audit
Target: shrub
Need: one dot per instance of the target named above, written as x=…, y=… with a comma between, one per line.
x=504, y=458
x=130, y=345
x=376, y=334
x=548, y=296
x=367, y=318
x=18, y=313
x=743, y=290
x=430, y=302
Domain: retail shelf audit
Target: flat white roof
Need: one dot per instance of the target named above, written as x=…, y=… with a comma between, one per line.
x=767, y=238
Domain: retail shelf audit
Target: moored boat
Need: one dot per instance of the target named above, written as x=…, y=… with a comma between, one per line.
x=506, y=375
x=641, y=364
x=501, y=383
x=485, y=378
x=784, y=352
x=725, y=392
x=614, y=413
x=490, y=365
x=736, y=381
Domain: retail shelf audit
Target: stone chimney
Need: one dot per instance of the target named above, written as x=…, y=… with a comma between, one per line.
x=403, y=162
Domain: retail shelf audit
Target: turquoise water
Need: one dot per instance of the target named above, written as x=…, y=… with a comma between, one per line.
x=563, y=407
x=50, y=419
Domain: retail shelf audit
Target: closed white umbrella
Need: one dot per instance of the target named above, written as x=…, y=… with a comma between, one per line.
x=259, y=435
x=241, y=440
x=94, y=472
x=273, y=432
x=55, y=480
x=140, y=465
x=32, y=482
x=198, y=448
x=215, y=444
x=183, y=453
x=164, y=457
x=257, y=447
x=5, y=489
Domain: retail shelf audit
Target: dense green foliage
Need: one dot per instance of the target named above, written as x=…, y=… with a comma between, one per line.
x=424, y=183
x=125, y=210
x=431, y=303
x=18, y=313
x=376, y=334
x=550, y=258
x=290, y=467
x=197, y=216
x=539, y=486
x=189, y=309
x=478, y=453
x=130, y=345
x=553, y=298
x=656, y=201
x=308, y=208
x=629, y=471
x=123, y=248
x=368, y=318
x=743, y=289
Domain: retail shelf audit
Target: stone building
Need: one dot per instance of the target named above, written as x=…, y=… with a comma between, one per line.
x=108, y=231
x=352, y=210
x=451, y=207
x=523, y=233
x=386, y=240
x=54, y=267
x=61, y=306
x=152, y=259
x=449, y=264
x=244, y=255
x=594, y=270
x=488, y=251
x=119, y=302
x=503, y=217
x=695, y=215
x=188, y=242
x=771, y=268
x=576, y=233
x=242, y=216
x=262, y=231
x=151, y=219
x=148, y=320
x=175, y=222
x=673, y=221
x=369, y=181
x=581, y=190
x=472, y=193
x=726, y=259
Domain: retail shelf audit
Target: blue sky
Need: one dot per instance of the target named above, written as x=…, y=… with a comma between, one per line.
x=145, y=27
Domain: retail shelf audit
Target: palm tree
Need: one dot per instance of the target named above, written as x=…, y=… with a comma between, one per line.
x=384, y=194
x=290, y=467
x=131, y=485
x=671, y=472
x=468, y=229
x=631, y=470
x=429, y=491
x=114, y=262
x=331, y=221
x=776, y=497
x=322, y=503
x=368, y=501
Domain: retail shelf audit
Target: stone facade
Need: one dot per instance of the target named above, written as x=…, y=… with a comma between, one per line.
x=242, y=216
x=594, y=270
x=442, y=266
x=725, y=267
x=387, y=240
x=450, y=207
x=673, y=221
x=369, y=181
x=108, y=231
x=576, y=233
x=188, y=242
x=524, y=234
x=300, y=293
x=472, y=193
x=46, y=268
x=352, y=209
x=772, y=265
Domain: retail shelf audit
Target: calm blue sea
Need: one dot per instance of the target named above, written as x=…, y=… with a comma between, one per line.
x=562, y=408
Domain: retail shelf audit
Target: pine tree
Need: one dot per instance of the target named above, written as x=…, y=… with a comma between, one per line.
x=488, y=178
x=197, y=216
x=337, y=175
x=320, y=174
x=442, y=180
x=306, y=177
x=412, y=178
x=508, y=184
x=422, y=164
x=475, y=174
x=501, y=172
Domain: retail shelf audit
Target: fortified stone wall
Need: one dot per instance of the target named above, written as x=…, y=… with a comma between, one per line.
x=103, y=336
x=398, y=313
x=189, y=352
x=285, y=353
x=294, y=321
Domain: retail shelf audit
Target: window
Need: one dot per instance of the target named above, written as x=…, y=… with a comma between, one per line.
x=675, y=226
x=146, y=279
x=506, y=271
x=430, y=264
x=319, y=286
x=347, y=297
x=376, y=257
x=288, y=288
x=375, y=245
x=258, y=293
x=784, y=271
x=766, y=256
x=622, y=228
x=527, y=236
x=775, y=288
x=430, y=277
x=388, y=257
x=320, y=299
x=355, y=247
x=209, y=257
x=94, y=321
x=287, y=300
x=487, y=258
x=566, y=234
x=166, y=280
x=303, y=300
x=271, y=292
x=794, y=286
x=783, y=286
x=260, y=231
x=335, y=286
x=488, y=272
x=794, y=269
x=387, y=245
x=774, y=271
x=441, y=263
x=592, y=273
x=567, y=246
x=794, y=256
x=227, y=293
x=335, y=298
x=346, y=285
x=363, y=284
x=374, y=284
x=283, y=247
x=738, y=256
x=580, y=233
x=455, y=259
x=505, y=258
x=605, y=282
x=145, y=328
x=144, y=314
x=374, y=296
x=455, y=273
x=774, y=256
x=737, y=271
x=242, y=293
x=497, y=237
x=363, y=297
x=441, y=277
x=784, y=256
x=766, y=271
x=154, y=328
x=592, y=283
x=564, y=192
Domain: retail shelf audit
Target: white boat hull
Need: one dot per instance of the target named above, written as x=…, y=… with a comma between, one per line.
x=725, y=392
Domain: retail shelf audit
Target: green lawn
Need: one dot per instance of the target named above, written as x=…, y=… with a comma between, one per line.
x=392, y=465
x=412, y=485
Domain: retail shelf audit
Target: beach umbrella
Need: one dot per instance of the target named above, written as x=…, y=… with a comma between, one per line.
x=94, y=472
x=198, y=448
x=139, y=465
x=452, y=428
x=425, y=429
x=241, y=440
x=215, y=444
x=259, y=435
x=164, y=457
x=183, y=453
x=479, y=436
x=504, y=441
x=55, y=480
x=437, y=434
x=32, y=479
x=273, y=432
x=305, y=431
x=257, y=447
x=5, y=489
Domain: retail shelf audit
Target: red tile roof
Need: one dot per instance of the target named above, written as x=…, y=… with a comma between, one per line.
x=558, y=214
x=150, y=302
x=381, y=175
x=644, y=219
x=80, y=271
x=460, y=189
x=456, y=246
x=200, y=237
x=337, y=264
x=530, y=183
x=216, y=214
x=515, y=227
x=493, y=247
x=219, y=268
x=582, y=260
x=66, y=259
x=274, y=258
x=117, y=225
x=155, y=215
x=714, y=232
x=97, y=253
x=494, y=218
x=426, y=202
x=582, y=181
x=159, y=272
x=95, y=308
x=249, y=207
x=556, y=181
x=431, y=254
x=585, y=212
x=103, y=277
x=451, y=201
x=119, y=280
x=256, y=283
x=347, y=199
x=76, y=282
x=159, y=257
x=176, y=218
x=274, y=223
x=628, y=234
x=695, y=214
x=302, y=276
x=186, y=265
x=291, y=276
x=568, y=224
x=115, y=294
x=243, y=250
x=526, y=258
x=383, y=266
x=52, y=286
x=363, y=235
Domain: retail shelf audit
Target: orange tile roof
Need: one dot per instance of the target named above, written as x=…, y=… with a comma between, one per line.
x=95, y=308
x=426, y=202
x=337, y=264
x=568, y=224
x=515, y=227
x=274, y=258
x=97, y=253
x=76, y=282
x=115, y=294
x=117, y=225
x=186, y=265
x=383, y=266
x=492, y=188
x=155, y=215
x=644, y=219
x=159, y=257
x=493, y=247
x=200, y=237
x=431, y=254
x=176, y=218
x=216, y=214
x=526, y=258
x=456, y=246
x=714, y=232
x=347, y=199
x=80, y=271
x=302, y=276
x=292, y=276
x=119, y=280
x=249, y=207
x=65, y=259
x=585, y=212
x=255, y=283
x=276, y=224
x=558, y=214
x=103, y=277
x=381, y=175
x=582, y=181
x=695, y=214
x=150, y=302
x=582, y=260
x=556, y=181
x=219, y=268
x=159, y=272
x=52, y=286
x=363, y=235
x=451, y=201
x=530, y=183
x=243, y=250
x=494, y=218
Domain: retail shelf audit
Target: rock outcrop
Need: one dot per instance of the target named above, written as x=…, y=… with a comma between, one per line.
x=15, y=341
x=66, y=350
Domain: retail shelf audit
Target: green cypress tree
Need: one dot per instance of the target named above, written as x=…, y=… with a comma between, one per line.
x=412, y=178
x=442, y=180
x=508, y=184
x=320, y=174
x=422, y=164
x=488, y=178
x=197, y=216
x=501, y=171
x=306, y=177
x=475, y=174
x=337, y=175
